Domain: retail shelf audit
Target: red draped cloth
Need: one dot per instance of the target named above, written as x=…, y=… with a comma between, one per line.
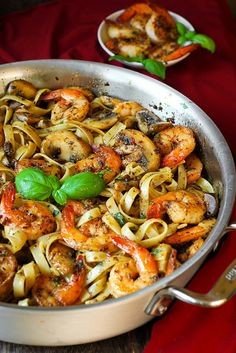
x=67, y=29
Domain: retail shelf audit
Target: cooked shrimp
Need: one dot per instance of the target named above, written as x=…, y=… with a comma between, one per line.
x=62, y=258
x=105, y=160
x=175, y=144
x=58, y=290
x=159, y=52
x=73, y=105
x=158, y=30
x=123, y=276
x=181, y=207
x=131, y=11
x=8, y=268
x=194, y=168
x=179, y=52
x=193, y=233
x=93, y=235
x=127, y=108
x=129, y=47
x=46, y=167
x=160, y=25
x=31, y=217
x=139, y=21
x=118, y=30
x=122, y=108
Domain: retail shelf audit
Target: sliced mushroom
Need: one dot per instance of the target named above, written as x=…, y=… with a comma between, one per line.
x=21, y=88
x=133, y=145
x=8, y=268
x=64, y=146
x=23, y=114
x=212, y=204
x=104, y=120
x=149, y=123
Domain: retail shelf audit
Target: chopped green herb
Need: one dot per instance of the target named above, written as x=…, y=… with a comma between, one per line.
x=120, y=219
x=156, y=252
x=55, y=213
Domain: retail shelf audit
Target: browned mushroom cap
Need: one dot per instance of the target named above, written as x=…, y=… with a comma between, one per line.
x=21, y=88
x=134, y=146
x=22, y=114
x=212, y=204
x=64, y=146
x=8, y=268
x=149, y=123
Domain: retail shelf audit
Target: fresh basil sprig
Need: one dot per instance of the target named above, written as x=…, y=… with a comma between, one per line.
x=153, y=66
x=79, y=186
x=34, y=184
x=204, y=41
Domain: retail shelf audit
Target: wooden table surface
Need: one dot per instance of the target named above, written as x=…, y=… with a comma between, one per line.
x=131, y=342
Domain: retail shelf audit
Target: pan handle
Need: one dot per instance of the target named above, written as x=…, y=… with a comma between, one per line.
x=223, y=290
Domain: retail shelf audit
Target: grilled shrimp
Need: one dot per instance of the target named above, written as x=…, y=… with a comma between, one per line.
x=73, y=105
x=131, y=11
x=31, y=217
x=118, y=30
x=62, y=258
x=127, y=108
x=104, y=160
x=179, y=52
x=60, y=290
x=194, y=168
x=46, y=167
x=129, y=47
x=8, y=268
x=159, y=29
x=160, y=25
x=93, y=235
x=192, y=233
x=122, y=108
x=175, y=144
x=123, y=276
x=181, y=207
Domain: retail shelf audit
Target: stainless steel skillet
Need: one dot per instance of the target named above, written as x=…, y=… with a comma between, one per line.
x=82, y=324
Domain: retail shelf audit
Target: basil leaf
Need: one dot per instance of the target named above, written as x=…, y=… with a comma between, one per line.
x=155, y=67
x=181, y=40
x=54, y=182
x=33, y=184
x=205, y=42
x=181, y=28
x=83, y=186
x=60, y=197
x=138, y=59
x=190, y=34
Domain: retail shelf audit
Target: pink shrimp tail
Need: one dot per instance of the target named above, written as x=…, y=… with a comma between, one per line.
x=7, y=201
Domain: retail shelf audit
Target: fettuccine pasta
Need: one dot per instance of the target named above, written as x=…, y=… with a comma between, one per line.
x=99, y=197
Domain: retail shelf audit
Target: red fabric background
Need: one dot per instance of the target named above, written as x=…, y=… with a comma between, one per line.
x=68, y=29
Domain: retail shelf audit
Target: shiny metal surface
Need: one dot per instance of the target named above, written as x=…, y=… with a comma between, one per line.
x=223, y=290
x=82, y=324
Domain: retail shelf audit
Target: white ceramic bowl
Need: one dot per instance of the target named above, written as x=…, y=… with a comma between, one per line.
x=103, y=38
